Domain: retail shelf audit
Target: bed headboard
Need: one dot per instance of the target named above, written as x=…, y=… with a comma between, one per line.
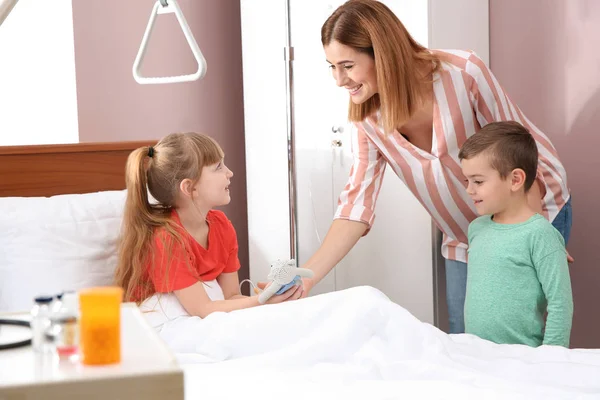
x=48, y=170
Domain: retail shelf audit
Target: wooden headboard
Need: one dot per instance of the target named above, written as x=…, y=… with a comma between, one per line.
x=48, y=170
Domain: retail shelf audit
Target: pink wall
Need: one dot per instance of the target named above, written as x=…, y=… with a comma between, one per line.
x=113, y=107
x=545, y=54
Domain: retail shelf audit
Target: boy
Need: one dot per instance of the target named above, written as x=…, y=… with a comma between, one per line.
x=517, y=267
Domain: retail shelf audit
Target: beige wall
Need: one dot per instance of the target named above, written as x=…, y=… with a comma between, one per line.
x=113, y=107
x=545, y=54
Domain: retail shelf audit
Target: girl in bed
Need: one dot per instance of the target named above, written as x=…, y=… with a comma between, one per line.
x=176, y=245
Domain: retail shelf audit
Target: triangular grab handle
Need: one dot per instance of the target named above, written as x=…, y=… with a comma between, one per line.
x=166, y=7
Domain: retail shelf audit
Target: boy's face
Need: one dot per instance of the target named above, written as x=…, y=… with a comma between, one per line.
x=490, y=193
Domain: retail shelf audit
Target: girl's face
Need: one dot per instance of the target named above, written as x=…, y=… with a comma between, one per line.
x=353, y=70
x=212, y=190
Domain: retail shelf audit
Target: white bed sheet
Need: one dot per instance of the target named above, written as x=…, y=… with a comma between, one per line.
x=357, y=344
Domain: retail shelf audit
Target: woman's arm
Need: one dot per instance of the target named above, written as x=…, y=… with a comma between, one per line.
x=342, y=236
x=356, y=210
x=196, y=302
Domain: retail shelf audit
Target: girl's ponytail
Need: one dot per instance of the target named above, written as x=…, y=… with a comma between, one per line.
x=137, y=205
x=139, y=220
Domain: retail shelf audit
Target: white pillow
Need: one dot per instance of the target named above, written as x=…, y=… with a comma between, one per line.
x=52, y=244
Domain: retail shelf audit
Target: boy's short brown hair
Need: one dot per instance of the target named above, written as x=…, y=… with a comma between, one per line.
x=510, y=146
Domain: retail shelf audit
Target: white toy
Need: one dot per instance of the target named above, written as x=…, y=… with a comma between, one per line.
x=283, y=275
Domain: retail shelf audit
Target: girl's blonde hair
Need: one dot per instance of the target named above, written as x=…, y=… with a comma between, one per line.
x=158, y=170
x=371, y=27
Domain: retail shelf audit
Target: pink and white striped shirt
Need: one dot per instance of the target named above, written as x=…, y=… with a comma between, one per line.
x=467, y=96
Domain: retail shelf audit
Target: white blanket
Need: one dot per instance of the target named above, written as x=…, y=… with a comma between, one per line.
x=338, y=345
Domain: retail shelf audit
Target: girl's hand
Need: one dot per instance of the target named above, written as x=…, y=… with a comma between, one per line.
x=261, y=286
x=293, y=293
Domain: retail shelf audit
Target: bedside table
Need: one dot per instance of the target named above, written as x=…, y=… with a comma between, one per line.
x=148, y=370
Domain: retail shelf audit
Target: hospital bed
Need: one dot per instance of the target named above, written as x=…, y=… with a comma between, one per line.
x=62, y=207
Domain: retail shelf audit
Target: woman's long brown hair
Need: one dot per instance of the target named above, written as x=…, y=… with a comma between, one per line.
x=371, y=27
x=159, y=173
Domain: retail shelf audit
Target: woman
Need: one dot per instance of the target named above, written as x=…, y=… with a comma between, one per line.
x=413, y=109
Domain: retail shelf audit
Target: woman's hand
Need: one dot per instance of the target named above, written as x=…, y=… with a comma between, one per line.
x=293, y=293
x=307, y=285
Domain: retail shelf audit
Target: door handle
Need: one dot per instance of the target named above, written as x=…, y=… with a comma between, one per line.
x=336, y=143
x=337, y=129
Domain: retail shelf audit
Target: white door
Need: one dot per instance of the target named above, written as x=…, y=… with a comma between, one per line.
x=396, y=256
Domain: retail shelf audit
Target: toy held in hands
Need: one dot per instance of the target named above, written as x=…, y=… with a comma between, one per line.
x=283, y=275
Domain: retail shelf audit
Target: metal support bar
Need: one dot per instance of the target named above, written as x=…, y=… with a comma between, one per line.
x=289, y=77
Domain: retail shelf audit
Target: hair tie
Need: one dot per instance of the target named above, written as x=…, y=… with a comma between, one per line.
x=150, y=151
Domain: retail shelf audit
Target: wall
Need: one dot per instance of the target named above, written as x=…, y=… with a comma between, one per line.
x=113, y=107
x=445, y=33
x=544, y=52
